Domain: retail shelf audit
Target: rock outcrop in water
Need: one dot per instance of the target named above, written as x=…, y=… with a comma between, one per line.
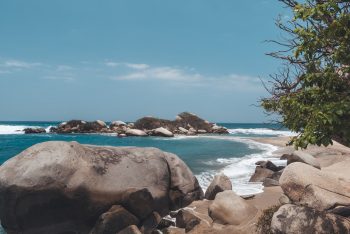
x=185, y=124
x=66, y=187
x=34, y=130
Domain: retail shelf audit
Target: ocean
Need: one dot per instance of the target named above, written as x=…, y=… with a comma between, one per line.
x=233, y=154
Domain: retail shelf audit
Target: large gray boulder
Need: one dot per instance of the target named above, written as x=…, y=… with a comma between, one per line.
x=64, y=187
x=162, y=132
x=229, y=208
x=300, y=219
x=260, y=174
x=219, y=184
x=135, y=132
x=300, y=156
x=304, y=184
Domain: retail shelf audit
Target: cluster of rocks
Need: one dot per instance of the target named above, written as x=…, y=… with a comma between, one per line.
x=314, y=200
x=66, y=187
x=185, y=124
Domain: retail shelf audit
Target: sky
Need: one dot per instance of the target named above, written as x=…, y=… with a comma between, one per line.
x=124, y=59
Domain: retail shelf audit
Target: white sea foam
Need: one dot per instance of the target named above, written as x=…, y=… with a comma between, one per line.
x=261, y=131
x=12, y=129
x=239, y=170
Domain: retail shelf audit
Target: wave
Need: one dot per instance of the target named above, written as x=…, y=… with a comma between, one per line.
x=12, y=129
x=239, y=170
x=261, y=131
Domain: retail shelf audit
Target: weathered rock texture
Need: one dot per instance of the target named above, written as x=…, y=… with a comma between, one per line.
x=64, y=187
x=300, y=219
x=306, y=185
x=219, y=184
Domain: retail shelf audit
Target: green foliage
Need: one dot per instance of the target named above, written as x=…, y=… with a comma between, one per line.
x=312, y=94
x=264, y=222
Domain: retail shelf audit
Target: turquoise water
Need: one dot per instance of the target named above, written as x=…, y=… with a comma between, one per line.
x=206, y=155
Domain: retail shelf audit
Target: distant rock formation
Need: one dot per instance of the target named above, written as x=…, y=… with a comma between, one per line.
x=34, y=130
x=185, y=124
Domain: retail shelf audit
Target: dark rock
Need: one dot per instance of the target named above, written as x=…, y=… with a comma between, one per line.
x=139, y=202
x=260, y=174
x=79, y=126
x=301, y=219
x=114, y=220
x=34, y=130
x=53, y=130
x=220, y=183
x=67, y=186
x=268, y=165
x=187, y=220
x=165, y=223
x=341, y=210
x=150, y=223
x=183, y=121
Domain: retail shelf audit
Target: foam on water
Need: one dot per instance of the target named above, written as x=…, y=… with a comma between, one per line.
x=239, y=170
x=261, y=131
x=12, y=129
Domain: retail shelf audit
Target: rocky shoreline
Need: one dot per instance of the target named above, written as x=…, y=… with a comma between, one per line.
x=66, y=187
x=185, y=124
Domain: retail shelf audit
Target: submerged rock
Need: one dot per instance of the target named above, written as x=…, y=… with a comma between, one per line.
x=34, y=130
x=64, y=187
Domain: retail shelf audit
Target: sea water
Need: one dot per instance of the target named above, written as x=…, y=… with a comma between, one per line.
x=233, y=154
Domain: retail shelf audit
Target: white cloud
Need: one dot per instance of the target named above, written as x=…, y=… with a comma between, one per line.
x=19, y=64
x=161, y=73
x=136, y=66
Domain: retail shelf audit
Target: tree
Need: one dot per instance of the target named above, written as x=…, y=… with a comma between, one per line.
x=311, y=93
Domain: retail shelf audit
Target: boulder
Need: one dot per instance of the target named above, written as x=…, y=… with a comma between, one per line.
x=229, y=208
x=166, y=222
x=305, y=184
x=34, y=130
x=186, y=219
x=135, y=132
x=150, y=223
x=301, y=219
x=58, y=187
x=219, y=184
x=117, y=123
x=80, y=126
x=114, y=220
x=162, y=132
x=270, y=182
x=300, y=156
x=184, y=120
x=132, y=229
x=260, y=174
x=269, y=165
x=183, y=130
x=202, y=131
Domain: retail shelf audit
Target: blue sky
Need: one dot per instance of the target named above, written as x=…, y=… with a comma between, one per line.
x=124, y=59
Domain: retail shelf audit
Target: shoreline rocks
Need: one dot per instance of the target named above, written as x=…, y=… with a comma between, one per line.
x=34, y=130
x=63, y=187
